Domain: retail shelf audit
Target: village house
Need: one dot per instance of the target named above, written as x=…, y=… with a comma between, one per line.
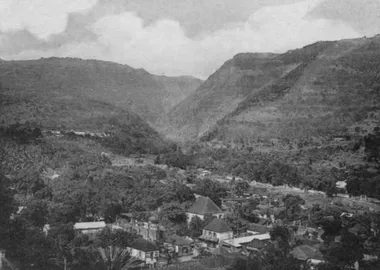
x=179, y=245
x=257, y=245
x=149, y=230
x=89, y=227
x=144, y=250
x=240, y=243
x=310, y=255
x=217, y=230
x=255, y=228
x=204, y=206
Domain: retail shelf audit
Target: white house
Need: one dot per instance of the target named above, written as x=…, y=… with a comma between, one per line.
x=237, y=244
x=204, y=206
x=217, y=230
x=89, y=227
x=144, y=250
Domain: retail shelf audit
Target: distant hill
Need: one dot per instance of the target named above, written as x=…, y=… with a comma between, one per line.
x=72, y=79
x=323, y=89
x=87, y=95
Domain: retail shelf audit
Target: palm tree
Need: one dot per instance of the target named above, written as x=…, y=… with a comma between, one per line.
x=116, y=258
x=107, y=258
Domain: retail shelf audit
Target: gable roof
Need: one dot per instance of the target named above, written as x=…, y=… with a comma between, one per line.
x=258, y=228
x=143, y=245
x=306, y=252
x=177, y=240
x=257, y=244
x=218, y=225
x=204, y=205
x=238, y=242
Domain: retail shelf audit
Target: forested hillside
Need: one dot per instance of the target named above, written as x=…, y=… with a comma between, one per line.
x=322, y=90
x=67, y=80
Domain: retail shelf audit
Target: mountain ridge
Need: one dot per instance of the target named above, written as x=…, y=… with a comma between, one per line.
x=114, y=83
x=256, y=93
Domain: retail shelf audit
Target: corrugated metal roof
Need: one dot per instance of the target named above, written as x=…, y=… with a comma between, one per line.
x=89, y=225
x=236, y=242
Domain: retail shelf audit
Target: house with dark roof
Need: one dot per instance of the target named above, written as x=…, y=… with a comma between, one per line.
x=217, y=230
x=144, y=250
x=308, y=254
x=257, y=244
x=179, y=245
x=255, y=228
x=204, y=206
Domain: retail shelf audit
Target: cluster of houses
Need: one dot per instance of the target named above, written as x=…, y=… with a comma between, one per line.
x=157, y=242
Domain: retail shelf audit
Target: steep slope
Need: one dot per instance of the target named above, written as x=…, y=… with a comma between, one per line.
x=176, y=89
x=118, y=85
x=56, y=94
x=324, y=89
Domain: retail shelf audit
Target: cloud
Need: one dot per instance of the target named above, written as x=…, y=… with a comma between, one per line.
x=163, y=47
x=40, y=17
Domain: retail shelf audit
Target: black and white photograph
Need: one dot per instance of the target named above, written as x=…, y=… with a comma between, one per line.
x=190, y=134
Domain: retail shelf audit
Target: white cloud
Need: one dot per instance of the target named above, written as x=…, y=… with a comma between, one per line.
x=163, y=47
x=41, y=17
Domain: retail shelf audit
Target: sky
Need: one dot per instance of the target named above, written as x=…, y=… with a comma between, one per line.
x=176, y=37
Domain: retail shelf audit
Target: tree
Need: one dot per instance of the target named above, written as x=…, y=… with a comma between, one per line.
x=173, y=212
x=247, y=211
x=293, y=208
x=103, y=258
x=241, y=187
x=111, y=212
x=214, y=190
x=37, y=213
x=6, y=201
x=281, y=235
x=195, y=227
x=345, y=253
x=331, y=190
x=29, y=247
x=117, y=238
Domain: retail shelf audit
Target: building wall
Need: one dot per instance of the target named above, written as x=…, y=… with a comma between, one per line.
x=90, y=231
x=191, y=215
x=180, y=250
x=147, y=257
x=220, y=236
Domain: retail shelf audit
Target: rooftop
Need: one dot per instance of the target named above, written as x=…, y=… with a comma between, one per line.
x=89, y=225
x=204, y=205
x=178, y=240
x=258, y=228
x=218, y=225
x=306, y=252
x=143, y=245
x=237, y=242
